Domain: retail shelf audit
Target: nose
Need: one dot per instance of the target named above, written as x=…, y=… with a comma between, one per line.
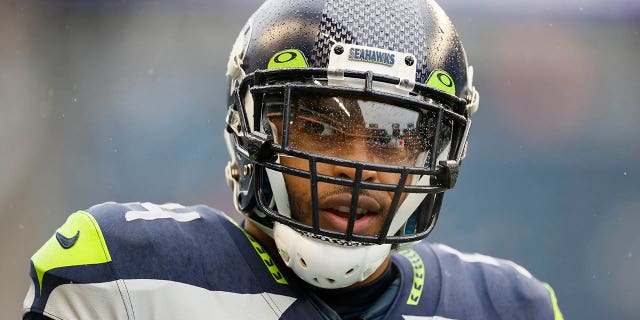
x=357, y=151
x=350, y=173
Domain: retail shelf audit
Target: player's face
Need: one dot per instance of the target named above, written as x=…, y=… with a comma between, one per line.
x=352, y=129
x=334, y=201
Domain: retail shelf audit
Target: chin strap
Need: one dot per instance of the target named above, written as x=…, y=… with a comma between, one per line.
x=324, y=264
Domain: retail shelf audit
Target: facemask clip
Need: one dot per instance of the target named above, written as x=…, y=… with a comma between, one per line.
x=449, y=173
x=259, y=147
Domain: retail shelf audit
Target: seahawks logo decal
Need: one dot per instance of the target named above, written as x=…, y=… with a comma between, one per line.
x=373, y=56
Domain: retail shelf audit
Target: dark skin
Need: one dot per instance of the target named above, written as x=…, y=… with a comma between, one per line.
x=300, y=195
x=336, y=127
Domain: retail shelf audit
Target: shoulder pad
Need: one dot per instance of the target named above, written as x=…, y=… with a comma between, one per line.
x=513, y=291
x=79, y=241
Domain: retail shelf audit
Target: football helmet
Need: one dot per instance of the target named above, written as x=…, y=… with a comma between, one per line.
x=347, y=121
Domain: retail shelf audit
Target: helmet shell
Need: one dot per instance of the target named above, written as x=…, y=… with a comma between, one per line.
x=418, y=27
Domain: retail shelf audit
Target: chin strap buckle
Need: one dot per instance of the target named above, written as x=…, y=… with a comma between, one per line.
x=449, y=173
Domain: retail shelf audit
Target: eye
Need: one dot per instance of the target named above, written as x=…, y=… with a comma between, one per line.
x=317, y=128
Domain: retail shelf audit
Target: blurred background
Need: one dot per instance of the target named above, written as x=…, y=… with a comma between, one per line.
x=125, y=101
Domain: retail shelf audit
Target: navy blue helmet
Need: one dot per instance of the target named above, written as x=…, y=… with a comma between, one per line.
x=308, y=80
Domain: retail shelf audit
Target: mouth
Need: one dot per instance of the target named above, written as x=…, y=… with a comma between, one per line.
x=335, y=214
x=343, y=212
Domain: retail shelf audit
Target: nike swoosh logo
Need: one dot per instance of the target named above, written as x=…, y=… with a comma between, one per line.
x=67, y=242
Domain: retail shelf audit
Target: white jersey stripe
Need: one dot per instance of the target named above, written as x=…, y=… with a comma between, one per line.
x=156, y=299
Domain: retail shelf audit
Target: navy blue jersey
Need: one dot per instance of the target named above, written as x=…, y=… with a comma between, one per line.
x=146, y=261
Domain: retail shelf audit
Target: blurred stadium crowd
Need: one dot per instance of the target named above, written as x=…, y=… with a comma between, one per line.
x=120, y=101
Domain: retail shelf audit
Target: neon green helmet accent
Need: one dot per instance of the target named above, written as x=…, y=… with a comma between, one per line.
x=88, y=247
x=290, y=58
x=441, y=80
x=557, y=315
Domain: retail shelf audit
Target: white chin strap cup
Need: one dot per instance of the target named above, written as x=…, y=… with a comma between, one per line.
x=324, y=264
